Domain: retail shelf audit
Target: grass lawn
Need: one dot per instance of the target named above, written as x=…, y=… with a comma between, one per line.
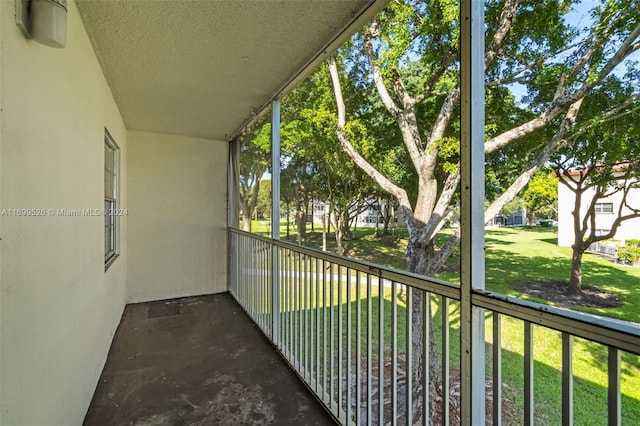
x=515, y=256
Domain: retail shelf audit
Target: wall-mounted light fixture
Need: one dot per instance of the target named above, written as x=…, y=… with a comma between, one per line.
x=45, y=21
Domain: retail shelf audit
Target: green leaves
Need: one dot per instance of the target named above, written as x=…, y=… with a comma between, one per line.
x=541, y=194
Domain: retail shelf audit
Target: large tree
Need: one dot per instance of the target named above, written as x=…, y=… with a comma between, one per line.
x=528, y=43
x=592, y=186
x=600, y=166
x=541, y=196
x=254, y=161
x=410, y=55
x=314, y=169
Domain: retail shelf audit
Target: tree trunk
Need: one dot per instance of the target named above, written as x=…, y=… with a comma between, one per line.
x=288, y=213
x=301, y=224
x=345, y=226
x=325, y=226
x=313, y=216
x=387, y=214
x=246, y=220
x=578, y=247
x=338, y=234
x=338, y=227
x=355, y=227
x=418, y=256
x=575, y=282
x=378, y=215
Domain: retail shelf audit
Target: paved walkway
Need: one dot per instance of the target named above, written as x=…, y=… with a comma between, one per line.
x=197, y=361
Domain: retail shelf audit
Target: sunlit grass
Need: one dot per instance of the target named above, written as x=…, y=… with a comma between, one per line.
x=515, y=256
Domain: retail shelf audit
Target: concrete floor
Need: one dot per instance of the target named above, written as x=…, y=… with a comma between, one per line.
x=197, y=361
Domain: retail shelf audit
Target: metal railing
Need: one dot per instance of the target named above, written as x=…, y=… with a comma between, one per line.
x=604, y=248
x=349, y=329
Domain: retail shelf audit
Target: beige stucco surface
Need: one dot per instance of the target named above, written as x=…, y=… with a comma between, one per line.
x=177, y=216
x=629, y=229
x=58, y=307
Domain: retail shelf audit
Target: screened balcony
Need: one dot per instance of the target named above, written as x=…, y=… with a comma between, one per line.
x=197, y=361
x=175, y=84
x=346, y=328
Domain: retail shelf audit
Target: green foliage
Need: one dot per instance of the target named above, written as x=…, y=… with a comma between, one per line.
x=254, y=160
x=514, y=256
x=263, y=206
x=513, y=206
x=541, y=195
x=415, y=44
x=632, y=243
x=628, y=254
x=255, y=147
x=314, y=167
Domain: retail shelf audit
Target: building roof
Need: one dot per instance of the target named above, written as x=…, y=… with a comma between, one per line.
x=616, y=168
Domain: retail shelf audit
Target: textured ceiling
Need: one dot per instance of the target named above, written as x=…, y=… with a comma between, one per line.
x=202, y=67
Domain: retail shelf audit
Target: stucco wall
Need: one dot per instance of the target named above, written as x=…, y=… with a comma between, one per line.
x=58, y=307
x=629, y=229
x=177, y=216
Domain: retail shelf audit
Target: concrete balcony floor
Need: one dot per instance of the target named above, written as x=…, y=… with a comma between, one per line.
x=197, y=361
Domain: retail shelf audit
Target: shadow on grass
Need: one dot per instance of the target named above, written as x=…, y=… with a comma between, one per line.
x=590, y=399
x=553, y=241
x=630, y=363
x=505, y=270
x=498, y=242
x=499, y=231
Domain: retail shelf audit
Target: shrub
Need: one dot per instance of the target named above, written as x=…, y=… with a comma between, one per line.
x=632, y=243
x=628, y=255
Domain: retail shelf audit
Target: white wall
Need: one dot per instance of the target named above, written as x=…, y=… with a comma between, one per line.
x=177, y=216
x=629, y=229
x=58, y=307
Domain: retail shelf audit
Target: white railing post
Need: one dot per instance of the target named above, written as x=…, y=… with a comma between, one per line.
x=275, y=218
x=614, y=407
x=296, y=342
x=233, y=185
x=472, y=348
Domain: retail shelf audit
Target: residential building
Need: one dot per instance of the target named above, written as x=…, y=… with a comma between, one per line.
x=517, y=218
x=606, y=211
x=368, y=214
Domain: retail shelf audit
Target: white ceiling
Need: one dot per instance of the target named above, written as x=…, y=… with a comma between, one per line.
x=202, y=67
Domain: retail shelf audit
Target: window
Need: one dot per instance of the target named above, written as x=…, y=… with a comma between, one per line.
x=111, y=158
x=604, y=208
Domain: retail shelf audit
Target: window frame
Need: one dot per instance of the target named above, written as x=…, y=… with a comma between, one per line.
x=111, y=243
x=599, y=208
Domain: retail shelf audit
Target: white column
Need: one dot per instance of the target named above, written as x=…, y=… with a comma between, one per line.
x=472, y=219
x=275, y=217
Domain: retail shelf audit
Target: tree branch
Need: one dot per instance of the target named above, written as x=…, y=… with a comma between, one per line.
x=375, y=71
x=436, y=262
x=444, y=116
x=524, y=129
x=609, y=115
x=433, y=79
x=405, y=118
x=399, y=193
x=436, y=220
x=506, y=22
x=560, y=100
x=623, y=51
x=556, y=142
x=513, y=77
